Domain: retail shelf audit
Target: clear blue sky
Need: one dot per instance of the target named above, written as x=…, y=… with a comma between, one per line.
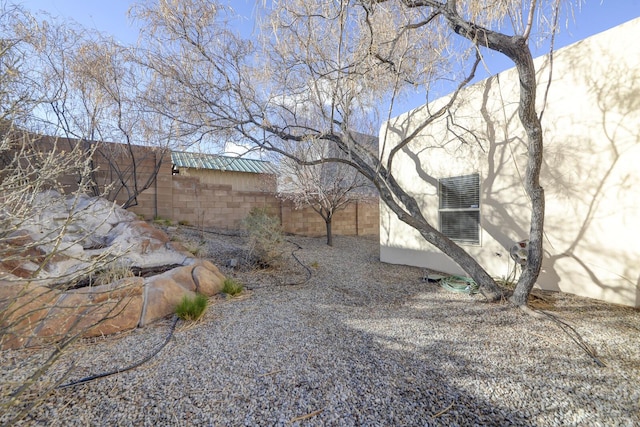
x=110, y=16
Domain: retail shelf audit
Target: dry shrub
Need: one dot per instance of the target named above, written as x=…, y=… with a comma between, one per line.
x=266, y=239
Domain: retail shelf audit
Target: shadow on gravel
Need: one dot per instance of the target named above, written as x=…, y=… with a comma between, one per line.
x=409, y=373
x=366, y=344
x=444, y=359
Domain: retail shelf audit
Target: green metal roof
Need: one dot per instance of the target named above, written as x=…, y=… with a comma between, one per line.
x=183, y=159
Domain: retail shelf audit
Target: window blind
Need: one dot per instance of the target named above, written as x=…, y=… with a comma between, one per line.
x=459, y=200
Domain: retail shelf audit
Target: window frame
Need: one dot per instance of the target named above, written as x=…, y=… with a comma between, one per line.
x=467, y=183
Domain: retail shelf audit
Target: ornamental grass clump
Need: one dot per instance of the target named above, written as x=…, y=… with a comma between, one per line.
x=112, y=273
x=162, y=221
x=231, y=287
x=192, y=308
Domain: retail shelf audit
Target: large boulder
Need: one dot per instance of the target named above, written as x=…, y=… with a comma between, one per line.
x=164, y=291
x=37, y=304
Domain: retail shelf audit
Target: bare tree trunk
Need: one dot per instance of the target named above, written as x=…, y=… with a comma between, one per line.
x=517, y=49
x=287, y=131
x=533, y=128
x=327, y=222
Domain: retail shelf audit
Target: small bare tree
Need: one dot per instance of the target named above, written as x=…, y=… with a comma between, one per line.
x=327, y=188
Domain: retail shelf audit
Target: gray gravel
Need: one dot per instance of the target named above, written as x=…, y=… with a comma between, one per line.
x=360, y=343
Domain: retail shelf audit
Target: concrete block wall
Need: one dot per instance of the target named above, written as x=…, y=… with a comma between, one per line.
x=359, y=218
x=368, y=217
x=114, y=166
x=202, y=199
x=211, y=205
x=157, y=200
x=116, y=162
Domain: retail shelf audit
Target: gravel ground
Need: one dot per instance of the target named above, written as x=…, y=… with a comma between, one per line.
x=359, y=343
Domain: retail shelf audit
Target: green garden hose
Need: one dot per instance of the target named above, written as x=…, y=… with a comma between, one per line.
x=463, y=285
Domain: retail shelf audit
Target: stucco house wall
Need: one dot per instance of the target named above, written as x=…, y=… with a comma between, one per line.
x=591, y=171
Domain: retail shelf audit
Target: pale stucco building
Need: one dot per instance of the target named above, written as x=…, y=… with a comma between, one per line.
x=591, y=172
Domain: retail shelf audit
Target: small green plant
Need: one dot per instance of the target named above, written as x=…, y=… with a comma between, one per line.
x=192, y=308
x=195, y=250
x=231, y=287
x=510, y=280
x=162, y=221
x=506, y=282
x=315, y=264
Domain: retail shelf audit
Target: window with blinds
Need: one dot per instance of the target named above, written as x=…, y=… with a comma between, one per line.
x=460, y=208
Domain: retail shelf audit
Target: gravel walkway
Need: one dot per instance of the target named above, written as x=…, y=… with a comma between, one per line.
x=360, y=343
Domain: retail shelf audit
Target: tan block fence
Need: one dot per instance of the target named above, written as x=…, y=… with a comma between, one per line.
x=203, y=198
x=188, y=199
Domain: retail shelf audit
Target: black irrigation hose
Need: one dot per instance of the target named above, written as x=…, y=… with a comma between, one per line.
x=150, y=356
x=128, y=368
x=465, y=285
x=565, y=327
x=293, y=253
x=175, y=322
x=575, y=336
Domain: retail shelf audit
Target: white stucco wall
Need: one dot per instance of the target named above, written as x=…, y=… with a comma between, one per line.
x=591, y=172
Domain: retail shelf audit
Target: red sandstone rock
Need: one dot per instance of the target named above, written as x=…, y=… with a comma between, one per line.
x=165, y=291
x=209, y=281
x=24, y=313
x=21, y=257
x=35, y=314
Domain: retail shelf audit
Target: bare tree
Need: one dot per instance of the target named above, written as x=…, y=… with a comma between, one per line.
x=96, y=93
x=324, y=69
x=327, y=188
x=33, y=178
x=40, y=226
